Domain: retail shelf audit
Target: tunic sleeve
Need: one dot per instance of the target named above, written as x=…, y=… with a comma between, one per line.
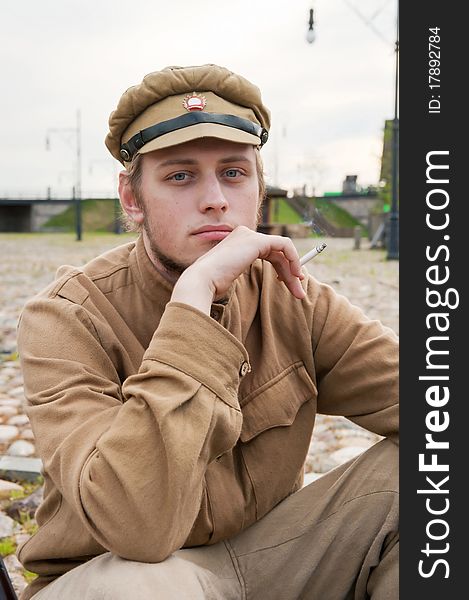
x=356, y=361
x=130, y=457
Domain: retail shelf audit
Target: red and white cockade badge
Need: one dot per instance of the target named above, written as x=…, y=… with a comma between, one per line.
x=194, y=101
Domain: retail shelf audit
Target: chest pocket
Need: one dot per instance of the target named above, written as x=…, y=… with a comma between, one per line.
x=278, y=420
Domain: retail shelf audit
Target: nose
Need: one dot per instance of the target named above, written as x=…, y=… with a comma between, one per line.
x=212, y=197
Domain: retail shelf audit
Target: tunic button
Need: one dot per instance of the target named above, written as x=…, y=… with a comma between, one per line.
x=245, y=368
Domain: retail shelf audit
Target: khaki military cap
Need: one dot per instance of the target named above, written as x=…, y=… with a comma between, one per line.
x=179, y=104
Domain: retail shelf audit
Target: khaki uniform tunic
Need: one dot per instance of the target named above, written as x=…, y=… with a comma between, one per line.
x=160, y=427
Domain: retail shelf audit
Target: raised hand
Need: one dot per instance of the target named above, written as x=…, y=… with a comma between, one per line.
x=211, y=275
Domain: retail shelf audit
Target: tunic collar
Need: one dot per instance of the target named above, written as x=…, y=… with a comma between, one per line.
x=154, y=285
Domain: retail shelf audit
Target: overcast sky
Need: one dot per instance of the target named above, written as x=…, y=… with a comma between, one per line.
x=328, y=99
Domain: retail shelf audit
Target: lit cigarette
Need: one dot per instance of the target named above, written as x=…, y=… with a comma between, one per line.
x=312, y=253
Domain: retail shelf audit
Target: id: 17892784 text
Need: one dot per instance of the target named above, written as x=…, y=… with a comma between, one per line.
x=434, y=71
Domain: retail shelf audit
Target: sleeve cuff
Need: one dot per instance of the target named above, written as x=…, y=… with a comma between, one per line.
x=194, y=343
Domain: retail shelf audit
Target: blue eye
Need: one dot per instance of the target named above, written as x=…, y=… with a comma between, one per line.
x=179, y=176
x=232, y=173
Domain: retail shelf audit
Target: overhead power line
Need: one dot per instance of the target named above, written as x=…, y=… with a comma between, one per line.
x=369, y=21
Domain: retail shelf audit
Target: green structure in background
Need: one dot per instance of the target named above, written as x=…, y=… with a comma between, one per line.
x=98, y=215
x=385, y=190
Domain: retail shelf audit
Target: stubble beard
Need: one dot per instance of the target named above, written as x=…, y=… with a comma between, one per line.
x=172, y=268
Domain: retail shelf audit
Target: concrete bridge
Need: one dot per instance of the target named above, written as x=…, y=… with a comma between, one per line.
x=29, y=214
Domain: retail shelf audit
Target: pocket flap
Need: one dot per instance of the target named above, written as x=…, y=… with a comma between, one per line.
x=276, y=403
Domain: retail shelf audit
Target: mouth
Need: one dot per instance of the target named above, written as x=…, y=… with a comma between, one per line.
x=212, y=232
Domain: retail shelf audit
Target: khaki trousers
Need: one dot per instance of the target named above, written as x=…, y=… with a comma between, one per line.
x=335, y=539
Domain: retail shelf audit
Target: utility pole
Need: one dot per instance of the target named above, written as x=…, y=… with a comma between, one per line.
x=76, y=131
x=78, y=134
x=393, y=224
x=393, y=243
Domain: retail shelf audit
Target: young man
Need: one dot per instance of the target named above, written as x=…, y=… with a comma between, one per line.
x=173, y=383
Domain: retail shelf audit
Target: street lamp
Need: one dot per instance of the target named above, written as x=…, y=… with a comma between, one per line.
x=311, y=35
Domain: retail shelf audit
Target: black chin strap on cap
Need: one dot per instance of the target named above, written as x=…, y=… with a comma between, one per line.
x=144, y=136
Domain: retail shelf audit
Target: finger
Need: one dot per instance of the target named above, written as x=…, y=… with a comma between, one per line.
x=283, y=245
x=285, y=275
x=294, y=286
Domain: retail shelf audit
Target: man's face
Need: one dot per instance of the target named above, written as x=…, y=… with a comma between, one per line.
x=193, y=195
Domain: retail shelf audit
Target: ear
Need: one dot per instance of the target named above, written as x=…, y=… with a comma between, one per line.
x=128, y=201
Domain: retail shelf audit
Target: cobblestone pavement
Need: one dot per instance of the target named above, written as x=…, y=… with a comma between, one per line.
x=28, y=264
